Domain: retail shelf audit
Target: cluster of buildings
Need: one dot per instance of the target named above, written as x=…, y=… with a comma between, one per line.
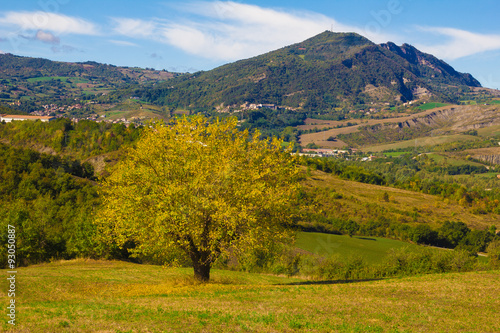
x=49, y=109
x=323, y=152
x=254, y=106
x=99, y=119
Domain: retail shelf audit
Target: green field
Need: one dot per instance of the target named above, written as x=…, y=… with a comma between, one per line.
x=489, y=131
x=488, y=175
x=428, y=106
x=111, y=296
x=438, y=158
x=371, y=249
x=47, y=78
x=396, y=153
x=62, y=78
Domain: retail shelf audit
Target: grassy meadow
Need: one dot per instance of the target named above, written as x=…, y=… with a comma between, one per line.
x=371, y=249
x=112, y=296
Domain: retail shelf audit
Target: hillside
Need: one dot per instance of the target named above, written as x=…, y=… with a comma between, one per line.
x=425, y=126
x=327, y=71
x=344, y=200
x=25, y=68
x=28, y=84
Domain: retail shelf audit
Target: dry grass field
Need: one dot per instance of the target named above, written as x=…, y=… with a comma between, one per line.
x=421, y=142
x=450, y=123
x=111, y=296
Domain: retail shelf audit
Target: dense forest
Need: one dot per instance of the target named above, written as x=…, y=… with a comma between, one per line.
x=50, y=200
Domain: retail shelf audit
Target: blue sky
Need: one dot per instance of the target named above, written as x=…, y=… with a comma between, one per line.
x=200, y=35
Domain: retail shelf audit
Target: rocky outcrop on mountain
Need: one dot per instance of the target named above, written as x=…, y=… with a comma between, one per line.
x=490, y=155
x=426, y=65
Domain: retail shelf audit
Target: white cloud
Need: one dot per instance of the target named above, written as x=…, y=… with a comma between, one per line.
x=122, y=43
x=46, y=21
x=229, y=30
x=46, y=37
x=460, y=43
x=134, y=27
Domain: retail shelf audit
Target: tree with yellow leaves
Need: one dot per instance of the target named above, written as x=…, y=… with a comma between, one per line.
x=202, y=187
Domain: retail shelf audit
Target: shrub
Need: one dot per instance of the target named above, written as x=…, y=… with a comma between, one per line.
x=493, y=251
x=404, y=262
x=451, y=233
x=423, y=234
x=342, y=268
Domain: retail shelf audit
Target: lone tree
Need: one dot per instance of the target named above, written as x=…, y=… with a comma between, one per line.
x=202, y=188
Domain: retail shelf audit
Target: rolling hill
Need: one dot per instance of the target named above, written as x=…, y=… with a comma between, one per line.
x=27, y=84
x=363, y=203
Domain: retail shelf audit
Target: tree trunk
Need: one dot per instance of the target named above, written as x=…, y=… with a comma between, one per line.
x=201, y=257
x=201, y=271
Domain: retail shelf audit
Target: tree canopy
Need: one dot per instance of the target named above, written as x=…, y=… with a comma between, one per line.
x=204, y=188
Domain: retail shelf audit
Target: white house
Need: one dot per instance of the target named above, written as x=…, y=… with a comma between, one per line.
x=10, y=117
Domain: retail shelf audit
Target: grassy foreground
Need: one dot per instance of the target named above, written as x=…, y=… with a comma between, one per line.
x=104, y=296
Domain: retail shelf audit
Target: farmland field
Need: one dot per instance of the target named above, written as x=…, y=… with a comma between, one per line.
x=396, y=153
x=428, y=106
x=450, y=160
x=61, y=78
x=46, y=78
x=111, y=296
x=320, y=138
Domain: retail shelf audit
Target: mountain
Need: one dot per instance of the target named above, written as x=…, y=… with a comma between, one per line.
x=330, y=70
